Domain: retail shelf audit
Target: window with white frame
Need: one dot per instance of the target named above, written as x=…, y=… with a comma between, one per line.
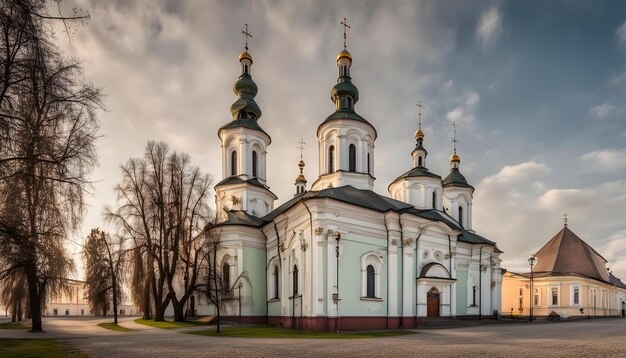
x=520, y=306
x=537, y=297
x=575, y=294
x=371, y=266
x=554, y=296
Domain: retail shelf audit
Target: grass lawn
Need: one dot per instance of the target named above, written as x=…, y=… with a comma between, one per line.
x=13, y=325
x=272, y=332
x=114, y=327
x=50, y=348
x=168, y=324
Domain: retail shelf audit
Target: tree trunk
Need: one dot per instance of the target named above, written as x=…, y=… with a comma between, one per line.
x=218, y=318
x=179, y=315
x=35, y=298
x=159, y=310
x=146, y=308
x=114, y=302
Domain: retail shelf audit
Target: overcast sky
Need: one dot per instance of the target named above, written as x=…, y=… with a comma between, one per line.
x=537, y=89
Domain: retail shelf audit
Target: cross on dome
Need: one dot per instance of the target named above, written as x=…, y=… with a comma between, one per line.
x=565, y=219
x=246, y=34
x=345, y=28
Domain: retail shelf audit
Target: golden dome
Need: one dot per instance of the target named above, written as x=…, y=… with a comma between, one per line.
x=419, y=134
x=455, y=158
x=301, y=164
x=245, y=55
x=300, y=178
x=344, y=54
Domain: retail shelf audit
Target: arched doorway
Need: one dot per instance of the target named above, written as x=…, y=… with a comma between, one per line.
x=432, y=303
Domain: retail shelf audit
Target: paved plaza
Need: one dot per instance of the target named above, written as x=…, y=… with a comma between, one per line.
x=584, y=338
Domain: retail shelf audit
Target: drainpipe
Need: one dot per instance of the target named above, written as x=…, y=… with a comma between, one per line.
x=402, y=271
x=267, y=267
x=387, y=229
x=480, y=283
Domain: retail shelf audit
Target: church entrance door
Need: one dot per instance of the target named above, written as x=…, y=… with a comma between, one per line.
x=432, y=303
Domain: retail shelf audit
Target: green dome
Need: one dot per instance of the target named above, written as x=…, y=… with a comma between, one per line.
x=344, y=88
x=245, y=85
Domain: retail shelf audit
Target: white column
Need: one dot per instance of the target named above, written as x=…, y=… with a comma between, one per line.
x=407, y=282
x=342, y=153
x=392, y=284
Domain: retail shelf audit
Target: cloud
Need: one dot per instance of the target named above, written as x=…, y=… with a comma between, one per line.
x=517, y=209
x=489, y=27
x=463, y=114
x=607, y=160
x=603, y=110
x=620, y=33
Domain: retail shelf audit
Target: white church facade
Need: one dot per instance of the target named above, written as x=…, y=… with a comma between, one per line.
x=337, y=254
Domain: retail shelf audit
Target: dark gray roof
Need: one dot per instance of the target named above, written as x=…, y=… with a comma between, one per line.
x=616, y=281
x=245, y=123
x=346, y=113
x=455, y=178
x=371, y=200
x=239, y=180
x=240, y=217
x=417, y=172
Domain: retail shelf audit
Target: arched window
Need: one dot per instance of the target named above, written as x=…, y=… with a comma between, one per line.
x=434, y=199
x=276, y=277
x=226, y=276
x=245, y=69
x=368, y=164
x=233, y=163
x=254, y=163
x=352, y=158
x=295, y=280
x=331, y=159
x=371, y=284
x=461, y=216
x=349, y=102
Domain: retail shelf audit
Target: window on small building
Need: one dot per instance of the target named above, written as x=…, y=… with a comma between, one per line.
x=331, y=159
x=536, y=299
x=82, y=311
x=55, y=312
x=461, y=216
x=576, y=295
x=352, y=158
x=276, y=277
x=434, y=199
x=254, y=163
x=233, y=163
x=295, y=280
x=67, y=312
x=419, y=161
x=555, y=296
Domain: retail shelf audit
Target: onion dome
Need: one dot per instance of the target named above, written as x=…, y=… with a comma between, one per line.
x=245, y=56
x=344, y=54
x=343, y=89
x=455, y=158
x=419, y=134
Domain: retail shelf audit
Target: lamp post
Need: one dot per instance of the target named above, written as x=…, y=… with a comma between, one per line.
x=336, y=298
x=532, y=261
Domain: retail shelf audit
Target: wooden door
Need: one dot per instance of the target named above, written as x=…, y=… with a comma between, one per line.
x=432, y=303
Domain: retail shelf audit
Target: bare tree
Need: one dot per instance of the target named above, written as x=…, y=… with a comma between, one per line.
x=164, y=210
x=140, y=280
x=14, y=294
x=47, y=132
x=105, y=260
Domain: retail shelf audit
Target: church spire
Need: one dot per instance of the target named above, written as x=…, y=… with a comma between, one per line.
x=344, y=93
x=419, y=153
x=300, y=179
x=245, y=107
x=455, y=160
x=455, y=178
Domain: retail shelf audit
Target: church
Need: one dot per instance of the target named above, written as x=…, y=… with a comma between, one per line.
x=337, y=255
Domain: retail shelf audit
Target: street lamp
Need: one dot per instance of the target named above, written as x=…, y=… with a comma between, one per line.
x=336, y=296
x=532, y=261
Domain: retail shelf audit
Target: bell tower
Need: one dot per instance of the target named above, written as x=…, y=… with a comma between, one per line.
x=345, y=139
x=244, y=147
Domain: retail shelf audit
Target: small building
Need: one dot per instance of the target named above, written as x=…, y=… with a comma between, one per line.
x=74, y=303
x=570, y=279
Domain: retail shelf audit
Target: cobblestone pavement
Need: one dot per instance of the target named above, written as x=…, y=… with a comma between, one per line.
x=584, y=338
